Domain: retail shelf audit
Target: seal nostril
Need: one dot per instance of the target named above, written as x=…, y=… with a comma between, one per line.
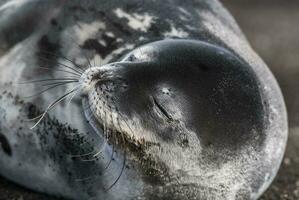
x=5, y=145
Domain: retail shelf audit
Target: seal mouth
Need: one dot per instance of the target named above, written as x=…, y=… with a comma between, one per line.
x=111, y=131
x=99, y=86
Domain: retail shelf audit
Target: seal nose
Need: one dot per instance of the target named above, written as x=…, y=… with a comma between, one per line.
x=94, y=75
x=87, y=79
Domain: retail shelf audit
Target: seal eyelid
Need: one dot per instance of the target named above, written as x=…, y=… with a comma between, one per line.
x=160, y=107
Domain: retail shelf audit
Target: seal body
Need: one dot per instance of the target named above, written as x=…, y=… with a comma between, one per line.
x=201, y=77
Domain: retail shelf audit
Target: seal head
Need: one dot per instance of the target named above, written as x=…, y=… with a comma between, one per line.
x=184, y=111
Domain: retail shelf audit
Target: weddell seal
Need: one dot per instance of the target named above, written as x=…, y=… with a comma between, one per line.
x=135, y=100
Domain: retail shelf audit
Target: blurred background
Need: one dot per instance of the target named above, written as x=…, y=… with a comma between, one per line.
x=272, y=28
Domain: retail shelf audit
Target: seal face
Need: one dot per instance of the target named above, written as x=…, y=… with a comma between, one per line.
x=183, y=109
x=204, y=87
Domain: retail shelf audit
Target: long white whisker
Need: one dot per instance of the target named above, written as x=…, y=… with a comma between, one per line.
x=90, y=66
x=121, y=172
x=54, y=55
x=60, y=70
x=72, y=97
x=92, y=159
x=82, y=155
x=57, y=82
x=54, y=79
x=79, y=70
x=52, y=105
x=43, y=91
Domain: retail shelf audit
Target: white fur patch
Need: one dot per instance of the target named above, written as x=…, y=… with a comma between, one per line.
x=85, y=31
x=176, y=32
x=136, y=21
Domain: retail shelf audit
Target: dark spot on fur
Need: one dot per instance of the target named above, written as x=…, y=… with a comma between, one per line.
x=103, y=50
x=47, y=51
x=54, y=22
x=121, y=28
x=31, y=111
x=154, y=30
x=45, y=44
x=5, y=145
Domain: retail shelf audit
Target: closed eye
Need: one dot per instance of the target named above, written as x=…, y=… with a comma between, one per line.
x=162, y=110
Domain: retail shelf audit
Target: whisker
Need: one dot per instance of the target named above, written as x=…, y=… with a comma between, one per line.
x=112, y=154
x=105, y=125
x=60, y=56
x=52, y=79
x=52, y=105
x=50, y=88
x=95, y=156
x=126, y=123
x=78, y=45
x=82, y=155
x=122, y=170
x=98, y=153
x=92, y=159
x=124, y=159
x=106, y=135
x=60, y=70
x=111, y=158
x=91, y=113
x=72, y=97
x=79, y=70
x=112, y=138
x=88, y=118
x=54, y=83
